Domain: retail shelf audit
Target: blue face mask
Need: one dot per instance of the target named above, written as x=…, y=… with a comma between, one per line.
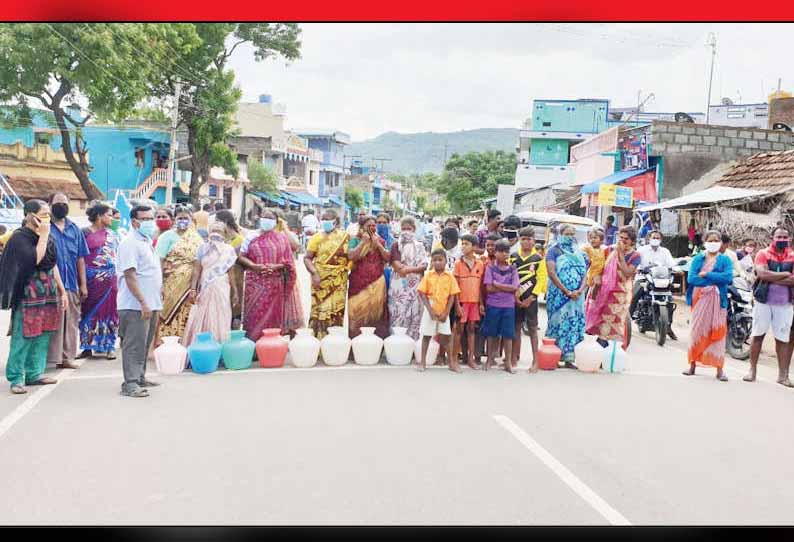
x=566, y=241
x=383, y=231
x=267, y=224
x=328, y=226
x=147, y=228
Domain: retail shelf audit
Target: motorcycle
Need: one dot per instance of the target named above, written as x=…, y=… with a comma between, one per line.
x=655, y=306
x=740, y=319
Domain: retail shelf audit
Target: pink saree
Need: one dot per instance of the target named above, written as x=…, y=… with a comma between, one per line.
x=606, y=313
x=268, y=293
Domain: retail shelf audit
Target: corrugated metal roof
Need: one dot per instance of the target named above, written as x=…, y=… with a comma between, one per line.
x=710, y=195
x=615, y=178
x=772, y=171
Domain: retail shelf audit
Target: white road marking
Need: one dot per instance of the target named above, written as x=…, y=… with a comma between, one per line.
x=31, y=401
x=580, y=488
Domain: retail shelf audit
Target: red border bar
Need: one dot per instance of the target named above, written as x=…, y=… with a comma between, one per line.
x=382, y=10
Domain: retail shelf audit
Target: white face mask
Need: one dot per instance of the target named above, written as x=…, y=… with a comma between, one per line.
x=713, y=246
x=656, y=242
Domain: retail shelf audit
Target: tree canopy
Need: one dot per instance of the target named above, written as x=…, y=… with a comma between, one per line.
x=472, y=177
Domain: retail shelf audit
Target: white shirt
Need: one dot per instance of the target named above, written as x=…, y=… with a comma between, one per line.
x=136, y=252
x=310, y=223
x=352, y=229
x=651, y=256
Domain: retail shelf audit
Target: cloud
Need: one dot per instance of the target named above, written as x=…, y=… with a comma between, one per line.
x=367, y=78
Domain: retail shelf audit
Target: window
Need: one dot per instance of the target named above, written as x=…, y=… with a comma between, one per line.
x=735, y=115
x=546, y=124
x=42, y=138
x=311, y=178
x=139, y=158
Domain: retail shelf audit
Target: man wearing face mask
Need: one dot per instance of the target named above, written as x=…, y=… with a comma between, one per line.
x=139, y=299
x=71, y=249
x=652, y=255
x=774, y=267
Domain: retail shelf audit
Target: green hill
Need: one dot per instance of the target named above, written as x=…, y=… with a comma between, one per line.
x=424, y=152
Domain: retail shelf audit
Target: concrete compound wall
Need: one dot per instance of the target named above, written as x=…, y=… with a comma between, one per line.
x=691, y=150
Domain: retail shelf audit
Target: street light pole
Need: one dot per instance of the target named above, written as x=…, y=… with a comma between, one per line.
x=169, y=186
x=712, y=42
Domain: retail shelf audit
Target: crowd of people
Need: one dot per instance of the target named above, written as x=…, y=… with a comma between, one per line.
x=474, y=289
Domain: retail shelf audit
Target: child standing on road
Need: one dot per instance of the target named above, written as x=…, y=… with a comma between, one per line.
x=501, y=283
x=438, y=291
x=531, y=268
x=468, y=272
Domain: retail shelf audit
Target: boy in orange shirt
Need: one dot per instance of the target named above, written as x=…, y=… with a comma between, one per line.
x=438, y=291
x=468, y=272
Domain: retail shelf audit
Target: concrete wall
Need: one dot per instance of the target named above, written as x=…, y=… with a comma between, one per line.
x=690, y=150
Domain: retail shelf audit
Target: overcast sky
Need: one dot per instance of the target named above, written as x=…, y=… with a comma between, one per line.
x=366, y=78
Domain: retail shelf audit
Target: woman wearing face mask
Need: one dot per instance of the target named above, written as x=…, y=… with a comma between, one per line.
x=235, y=238
x=293, y=311
x=710, y=273
x=269, y=279
x=327, y=262
x=164, y=220
x=409, y=261
x=608, y=309
x=30, y=286
x=177, y=250
x=567, y=269
x=367, y=288
x=100, y=319
x=383, y=229
x=212, y=291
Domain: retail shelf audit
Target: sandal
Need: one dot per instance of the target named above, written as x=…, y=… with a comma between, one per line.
x=111, y=355
x=43, y=381
x=137, y=392
x=67, y=365
x=18, y=390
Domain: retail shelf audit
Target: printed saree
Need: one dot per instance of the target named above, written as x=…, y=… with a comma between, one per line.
x=328, y=299
x=177, y=269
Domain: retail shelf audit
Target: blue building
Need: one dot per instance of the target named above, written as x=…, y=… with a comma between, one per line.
x=121, y=157
x=546, y=140
x=332, y=167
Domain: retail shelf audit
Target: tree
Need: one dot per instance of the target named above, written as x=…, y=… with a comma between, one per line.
x=209, y=97
x=59, y=65
x=470, y=178
x=354, y=198
x=387, y=204
x=263, y=178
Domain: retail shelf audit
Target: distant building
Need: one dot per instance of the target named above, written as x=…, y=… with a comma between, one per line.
x=546, y=140
x=332, y=166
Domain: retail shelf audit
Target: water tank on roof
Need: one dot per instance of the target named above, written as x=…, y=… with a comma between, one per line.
x=265, y=98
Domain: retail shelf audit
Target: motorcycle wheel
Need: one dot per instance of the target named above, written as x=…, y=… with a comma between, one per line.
x=662, y=325
x=736, y=350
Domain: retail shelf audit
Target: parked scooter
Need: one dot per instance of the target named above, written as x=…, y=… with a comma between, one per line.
x=740, y=319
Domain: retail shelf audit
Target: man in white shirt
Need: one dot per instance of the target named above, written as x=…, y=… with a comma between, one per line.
x=726, y=249
x=310, y=226
x=651, y=255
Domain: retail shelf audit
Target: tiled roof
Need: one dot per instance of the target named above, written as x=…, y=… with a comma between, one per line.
x=770, y=171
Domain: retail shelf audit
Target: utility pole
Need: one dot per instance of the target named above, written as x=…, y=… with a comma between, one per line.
x=712, y=42
x=169, y=186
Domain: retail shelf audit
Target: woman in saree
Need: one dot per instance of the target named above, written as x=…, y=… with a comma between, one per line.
x=269, y=279
x=293, y=312
x=212, y=292
x=99, y=323
x=177, y=250
x=30, y=286
x=608, y=308
x=567, y=269
x=710, y=274
x=235, y=238
x=326, y=260
x=409, y=262
x=366, y=303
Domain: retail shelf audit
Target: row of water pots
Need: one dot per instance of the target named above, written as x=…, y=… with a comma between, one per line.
x=305, y=349
x=590, y=356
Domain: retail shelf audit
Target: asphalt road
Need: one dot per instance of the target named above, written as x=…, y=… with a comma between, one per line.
x=388, y=445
